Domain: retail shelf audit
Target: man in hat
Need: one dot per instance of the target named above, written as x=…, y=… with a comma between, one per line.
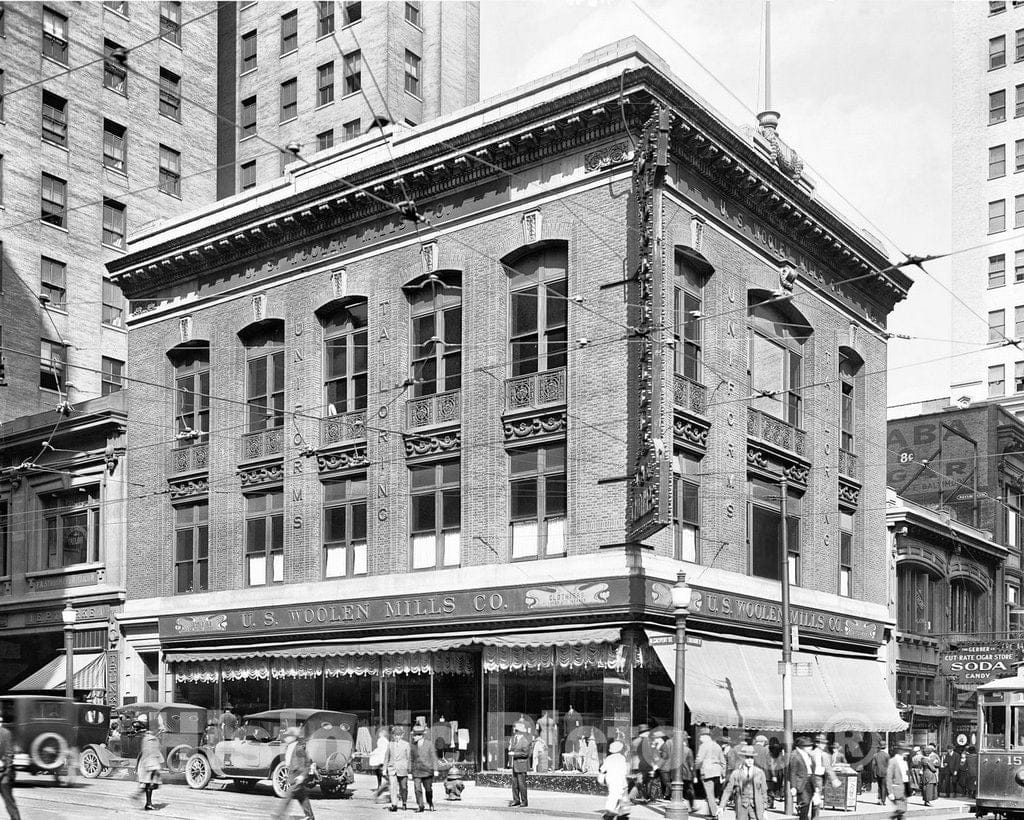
x=879, y=769
x=422, y=767
x=7, y=770
x=640, y=762
x=519, y=751
x=897, y=781
x=822, y=767
x=750, y=787
x=711, y=767
x=396, y=767
x=801, y=776
x=763, y=761
x=297, y=761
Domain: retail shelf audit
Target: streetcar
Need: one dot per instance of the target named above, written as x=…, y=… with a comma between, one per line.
x=1000, y=758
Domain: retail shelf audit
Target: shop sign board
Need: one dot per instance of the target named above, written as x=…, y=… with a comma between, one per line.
x=711, y=604
x=356, y=614
x=52, y=616
x=971, y=666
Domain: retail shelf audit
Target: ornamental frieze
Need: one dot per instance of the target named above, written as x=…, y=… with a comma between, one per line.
x=607, y=156
x=188, y=488
x=262, y=474
x=542, y=424
x=346, y=458
x=849, y=493
x=688, y=431
x=794, y=471
x=435, y=444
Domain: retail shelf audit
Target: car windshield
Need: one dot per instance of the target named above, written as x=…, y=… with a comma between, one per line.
x=262, y=730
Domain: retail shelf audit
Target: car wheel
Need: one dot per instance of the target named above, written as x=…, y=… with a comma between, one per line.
x=198, y=771
x=49, y=751
x=279, y=779
x=332, y=788
x=178, y=757
x=90, y=765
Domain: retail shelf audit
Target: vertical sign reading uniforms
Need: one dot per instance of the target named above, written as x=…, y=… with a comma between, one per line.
x=649, y=496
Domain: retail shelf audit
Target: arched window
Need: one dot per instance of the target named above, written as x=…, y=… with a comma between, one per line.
x=916, y=594
x=345, y=358
x=437, y=334
x=538, y=324
x=264, y=375
x=191, y=392
x=964, y=607
x=777, y=336
x=688, y=303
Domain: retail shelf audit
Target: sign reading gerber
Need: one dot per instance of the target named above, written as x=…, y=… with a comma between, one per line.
x=971, y=666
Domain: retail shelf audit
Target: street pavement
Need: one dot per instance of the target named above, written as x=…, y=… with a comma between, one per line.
x=105, y=799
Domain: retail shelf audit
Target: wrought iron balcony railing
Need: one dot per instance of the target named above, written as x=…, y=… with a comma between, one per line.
x=535, y=390
x=776, y=431
x=440, y=408
x=262, y=444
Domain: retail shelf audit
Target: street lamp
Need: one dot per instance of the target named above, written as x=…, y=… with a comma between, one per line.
x=677, y=808
x=69, y=616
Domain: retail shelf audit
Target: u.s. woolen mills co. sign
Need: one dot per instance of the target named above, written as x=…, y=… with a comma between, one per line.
x=971, y=666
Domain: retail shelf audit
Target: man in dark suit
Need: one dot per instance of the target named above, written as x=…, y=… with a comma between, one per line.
x=897, y=781
x=519, y=748
x=801, y=776
x=7, y=770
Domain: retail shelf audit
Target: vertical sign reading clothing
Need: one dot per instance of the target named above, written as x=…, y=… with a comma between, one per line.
x=649, y=497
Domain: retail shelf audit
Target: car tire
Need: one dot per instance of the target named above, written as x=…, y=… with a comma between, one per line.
x=198, y=771
x=90, y=765
x=49, y=752
x=279, y=779
x=178, y=757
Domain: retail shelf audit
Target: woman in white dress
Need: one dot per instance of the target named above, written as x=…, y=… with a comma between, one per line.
x=588, y=752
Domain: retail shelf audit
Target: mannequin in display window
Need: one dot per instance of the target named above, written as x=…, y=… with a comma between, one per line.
x=547, y=731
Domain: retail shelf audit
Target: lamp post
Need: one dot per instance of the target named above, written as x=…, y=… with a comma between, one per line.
x=69, y=616
x=677, y=808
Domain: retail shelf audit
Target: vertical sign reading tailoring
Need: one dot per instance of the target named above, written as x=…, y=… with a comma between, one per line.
x=650, y=485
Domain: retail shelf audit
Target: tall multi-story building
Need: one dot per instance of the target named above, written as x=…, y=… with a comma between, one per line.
x=442, y=464
x=988, y=204
x=316, y=74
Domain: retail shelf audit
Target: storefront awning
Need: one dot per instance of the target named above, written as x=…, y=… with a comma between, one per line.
x=738, y=685
x=89, y=671
x=931, y=711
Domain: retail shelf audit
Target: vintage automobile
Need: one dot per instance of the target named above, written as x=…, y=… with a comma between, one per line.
x=49, y=731
x=257, y=752
x=178, y=726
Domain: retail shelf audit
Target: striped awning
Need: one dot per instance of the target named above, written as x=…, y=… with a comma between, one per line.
x=89, y=671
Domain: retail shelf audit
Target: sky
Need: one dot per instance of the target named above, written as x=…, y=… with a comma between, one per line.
x=868, y=112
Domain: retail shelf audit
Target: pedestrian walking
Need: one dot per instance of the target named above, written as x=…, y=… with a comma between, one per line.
x=150, y=766
x=778, y=761
x=7, y=770
x=763, y=761
x=396, y=767
x=614, y=774
x=929, y=774
x=915, y=772
x=519, y=748
x=710, y=764
x=822, y=768
x=749, y=786
x=801, y=777
x=422, y=768
x=946, y=769
x=879, y=768
x=640, y=764
x=897, y=782
x=376, y=762
x=297, y=761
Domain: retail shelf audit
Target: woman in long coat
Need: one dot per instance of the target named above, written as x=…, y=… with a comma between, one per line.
x=151, y=763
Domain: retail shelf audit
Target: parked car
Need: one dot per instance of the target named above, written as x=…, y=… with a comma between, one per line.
x=256, y=752
x=178, y=726
x=49, y=731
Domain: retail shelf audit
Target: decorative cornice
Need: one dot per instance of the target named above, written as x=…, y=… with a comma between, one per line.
x=688, y=430
x=794, y=470
x=262, y=474
x=535, y=426
x=188, y=487
x=348, y=457
x=849, y=492
x=431, y=444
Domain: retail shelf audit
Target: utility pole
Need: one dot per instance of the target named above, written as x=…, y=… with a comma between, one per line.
x=786, y=668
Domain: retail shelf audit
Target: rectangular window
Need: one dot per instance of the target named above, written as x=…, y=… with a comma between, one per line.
x=412, y=13
x=1014, y=613
x=345, y=360
x=412, y=73
x=352, y=129
x=114, y=223
x=115, y=146
x=353, y=12
x=289, y=32
x=435, y=514
x=1018, y=377
x=1018, y=322
x=192, y=396
x=113, y=304
x=120, y=6
x=55, y=119
x=775, y=371
x=5, y=557
x=537, y=501
x=1018, y=162
x=996, y=6
x=71, y=527
x=996, y=380
x=247, y=175
x=289, y=100
x=170, y=22
x=264, y=386
x=686, y=507
x=1020, y=45
x=324, y=19
x=325, y=139
x=192, y=548
x=55, y=36
x=115, y=74
x=997, y=216
x=845, y=553
x=997, y=52
x=1018, y=102
x=997, y=271
x=247, y=121
x=689, y=301
x=1018, y=266
x=996, y=161
x=170, y=94
x=113, y=376
x=53, y=282
x=345, y=527
x=170, y=171
x=325, y=84
x=996, y=325
x=54, y=201
x=52, y=366
x=846, y=413
x=353, y=72
x=996, y=107
x=764, y=530
x=1013, y=520
x=249, y=57
x=264, y=538
x=1018, y=211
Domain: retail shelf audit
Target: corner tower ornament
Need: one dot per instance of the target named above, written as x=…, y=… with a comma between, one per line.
x=779, y=153
x=649, y=497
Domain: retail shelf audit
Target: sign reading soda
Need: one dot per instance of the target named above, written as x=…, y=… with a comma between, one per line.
x=971, y=666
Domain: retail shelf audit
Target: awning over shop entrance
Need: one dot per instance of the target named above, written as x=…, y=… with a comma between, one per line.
x=739, y=685
x=89, y=669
